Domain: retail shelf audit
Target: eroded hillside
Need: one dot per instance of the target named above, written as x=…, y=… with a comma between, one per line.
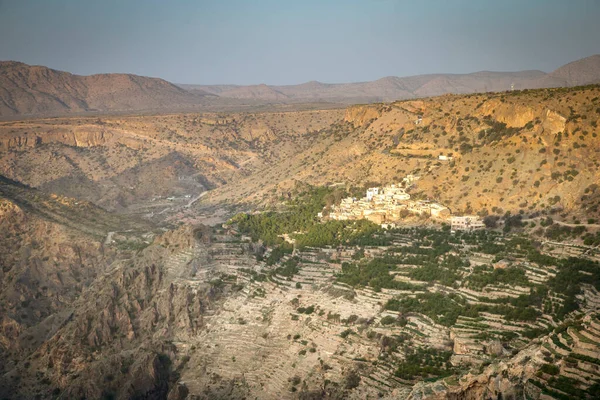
x=530, y=150
x=277, y=305
x=51, y=249
x=524, y=150
x=147, y=165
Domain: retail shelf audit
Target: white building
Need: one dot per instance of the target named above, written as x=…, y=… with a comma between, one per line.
x=466, y=223
x=372, y=192
x=410, y=179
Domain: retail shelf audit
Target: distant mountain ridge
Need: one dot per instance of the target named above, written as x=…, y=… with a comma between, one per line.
x=26, y=89
x=38, y=90
x=581, y=72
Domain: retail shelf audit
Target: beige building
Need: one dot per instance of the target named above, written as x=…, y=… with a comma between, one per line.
x=466, y=223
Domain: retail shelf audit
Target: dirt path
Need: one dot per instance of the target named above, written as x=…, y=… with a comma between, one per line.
x=576, y=225
x=195, y=199
x=109, y=238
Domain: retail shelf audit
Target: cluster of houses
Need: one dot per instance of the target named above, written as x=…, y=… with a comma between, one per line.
x=384, y=205
x=389, y=204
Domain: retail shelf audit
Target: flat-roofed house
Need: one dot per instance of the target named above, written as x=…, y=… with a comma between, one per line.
x=466, y=223
x=372, y=192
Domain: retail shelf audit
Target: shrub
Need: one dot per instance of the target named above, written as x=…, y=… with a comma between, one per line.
x=550, y=369
x=352, y=380
x=346, y=333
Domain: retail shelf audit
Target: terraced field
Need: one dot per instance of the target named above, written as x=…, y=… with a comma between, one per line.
x=444, y=320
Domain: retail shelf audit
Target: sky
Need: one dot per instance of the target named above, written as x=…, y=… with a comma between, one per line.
x=289, y=42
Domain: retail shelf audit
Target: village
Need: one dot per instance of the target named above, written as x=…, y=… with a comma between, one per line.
x=387, y=205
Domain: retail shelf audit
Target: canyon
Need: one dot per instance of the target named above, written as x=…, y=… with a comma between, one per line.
x=179, y=254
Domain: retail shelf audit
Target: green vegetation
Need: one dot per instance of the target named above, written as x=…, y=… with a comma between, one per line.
x=255, y=276
x=300, y=215
x=446, y=272
x=361, y=232
x=571, y=274
x=585, y=358
x=278, y=253
x=561, y=232
x=497, y=131
x=445, y=309
x=442, y=309
x=424, y=363
x=375, y=273
x=513, y=276
x=346, y=333
x=388, y=320
x=308, y=310
x=550, y=369
x=591, y=239
x=288, y=268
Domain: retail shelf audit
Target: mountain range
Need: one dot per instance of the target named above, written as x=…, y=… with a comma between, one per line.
x=581, y=72
x=38, y=90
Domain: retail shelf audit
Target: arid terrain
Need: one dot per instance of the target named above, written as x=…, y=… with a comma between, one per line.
x=581, y=72
x=179, y=255
x=37, y=90
x=523, y=150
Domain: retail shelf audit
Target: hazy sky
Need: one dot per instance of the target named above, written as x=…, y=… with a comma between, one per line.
x=288, y=42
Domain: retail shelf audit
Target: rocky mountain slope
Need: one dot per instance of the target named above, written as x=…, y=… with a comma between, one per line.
x=38, y=90
x=580, y=72
x=148, y=165
x=51, y=249
x=208, y=313
x=515, y=151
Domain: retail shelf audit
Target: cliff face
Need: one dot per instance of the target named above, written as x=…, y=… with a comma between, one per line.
x=112, y=331
x=91, y=136
x=361, y=115
x=45, y=265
